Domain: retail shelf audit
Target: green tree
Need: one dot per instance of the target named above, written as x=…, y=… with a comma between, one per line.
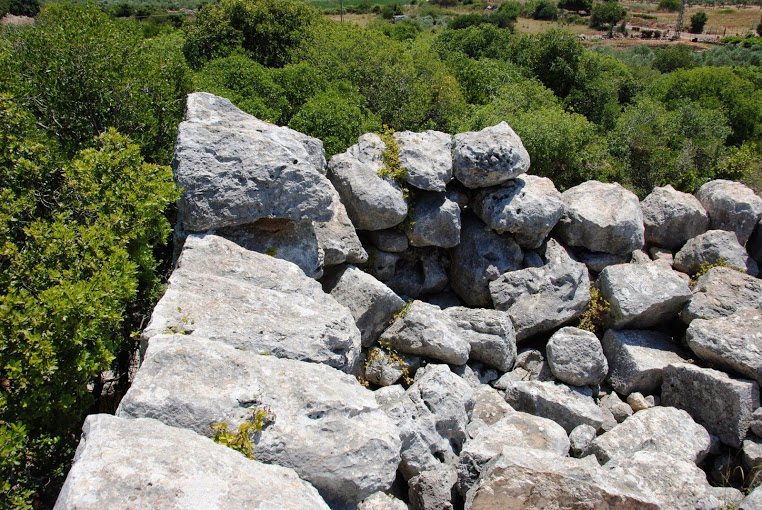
x=576, y=5
x=669, y=5
x=544, y=9
x=698, y=21
x=678, y=56
x=553, y=57
x=475, y=41
x=607, y=13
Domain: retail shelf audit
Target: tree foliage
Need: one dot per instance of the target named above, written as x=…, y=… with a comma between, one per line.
x=698, y=21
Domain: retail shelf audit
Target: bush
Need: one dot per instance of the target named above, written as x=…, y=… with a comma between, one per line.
x=669, y=5
x=607, y=13
x=679, y=56
x=576, y=5
x=553, y=57
x=698, y=21
x=388, y=11
x=544, y=9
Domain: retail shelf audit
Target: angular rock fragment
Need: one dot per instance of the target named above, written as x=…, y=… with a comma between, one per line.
x=432, y=418
x=672, y=217
x=539, y=299
x=372, y=202
x=527, y=478
x=637, y=358
x=642, y=295
x=618, y=409
x=490, y=334
x=318, y=421
x=481, y=256
x=601, y=217
x=489, y=157
x=580, y=440
x=714, y=247
x=660, y=430
x=732, y=343
x=433, y=489
x=380, y=501
x=338, y=239
x=242, y=298
x=720, y=292
x=435, y=222
x=371, y=303
x=527, y=207
x=235, y=169
x=731, y=206
x=427, y=158
x=721, y=404
x=425, y=330
x=146, y=464
x=576, y=357
x=390, y=240
x=555, y=402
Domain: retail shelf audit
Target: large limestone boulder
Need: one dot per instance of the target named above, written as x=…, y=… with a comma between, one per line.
x=371, y=303
x=601, y=217
x=643, y=295
x=636, y=359
x=489, y=157
x=714, y=247
x=425, y=330
x=576, y=357
x=672, y=217
x=732, y=343
x=731, y=206
x=337, y=237
x=557, y=402
x=144, y=464
x=234, y=169
x=660, y=430
x=482, y=256
x=426, y=157
x=431, y=417
x=720, y=292
x=436, y=221
x=723, y=405
x=520, y=430
x=319, y=421
x=529, y=478
x=527, y=207
x=372, y=202
x=256, y=302
x=539, y=299
x=490, y=334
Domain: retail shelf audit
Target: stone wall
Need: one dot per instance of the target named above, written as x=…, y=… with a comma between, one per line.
x=416, y=333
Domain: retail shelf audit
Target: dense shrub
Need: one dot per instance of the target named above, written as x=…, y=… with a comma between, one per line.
x=678, y=56
x=669, y=5
x=553, y=57
x=576, y=5
x=607, y=13
x=698, y=21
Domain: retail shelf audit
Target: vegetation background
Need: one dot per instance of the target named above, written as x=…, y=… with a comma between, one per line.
x=91, y=95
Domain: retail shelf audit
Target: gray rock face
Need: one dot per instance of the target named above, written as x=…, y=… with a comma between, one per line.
x=526, y=478
x=527, y=206
x=723, y=405
x=490, y=334
x=672, y=217
x=576, y=357
x=427, y=157
x=425, y=330
x=519, y=430
x=753, y=501
x=433, y=490
x=660, y=430
x=597, y=261
x=720, y=292
x=246, y=299
x=539, y=299
x=372, y=202
x=731, y=206
x=490, y=407
x=146, y=464
x=371, y=303
x=235, y=169
x=601, y=217
x=432, y=418
x=642, y=295
x=380, y=501
x=556, y=402
x=481, y=256
x=489, y=157
x=294, y=241
x=613, y=404
x=732, y=343
x=389, y=240
x=436, y=221
x=636, y=359
x=321, y=422
x=338, y=239
x=712, y=247
x=676, y=483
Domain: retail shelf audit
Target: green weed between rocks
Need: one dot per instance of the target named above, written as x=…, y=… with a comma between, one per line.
x=240, y=441
x=596, y=313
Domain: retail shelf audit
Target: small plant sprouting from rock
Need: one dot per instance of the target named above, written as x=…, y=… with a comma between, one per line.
x=273, y=252
x=240, y=441
x=392, y=356
x=704, y=269
x=594, y=317
x=405, y=309
x=392, y=166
